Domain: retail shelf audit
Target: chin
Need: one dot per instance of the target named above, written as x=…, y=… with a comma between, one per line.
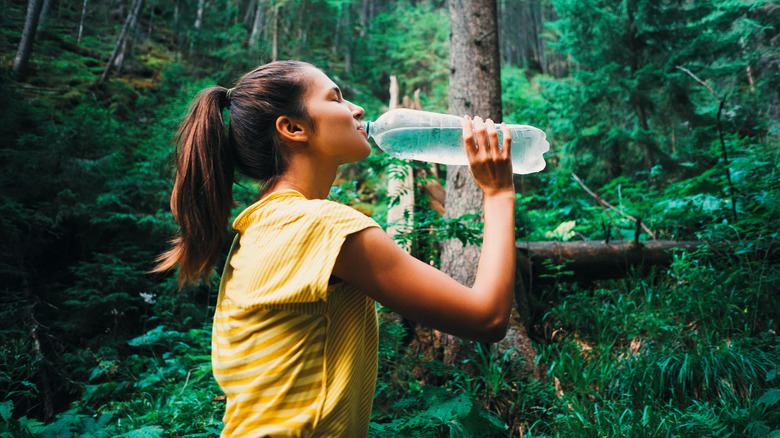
x=364, y=154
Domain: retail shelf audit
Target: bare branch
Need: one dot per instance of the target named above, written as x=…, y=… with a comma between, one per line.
x=679, y=67
x=604, y=204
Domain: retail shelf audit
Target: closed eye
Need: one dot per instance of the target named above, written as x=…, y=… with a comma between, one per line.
x=337, y=94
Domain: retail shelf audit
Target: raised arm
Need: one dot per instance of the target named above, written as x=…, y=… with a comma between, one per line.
x=372, y=262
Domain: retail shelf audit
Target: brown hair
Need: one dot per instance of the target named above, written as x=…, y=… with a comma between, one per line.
x=207, y=154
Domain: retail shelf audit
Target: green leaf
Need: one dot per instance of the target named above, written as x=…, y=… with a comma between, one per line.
x=150, y=338
x=771, y=397
x=144, y=432
x=6, y=408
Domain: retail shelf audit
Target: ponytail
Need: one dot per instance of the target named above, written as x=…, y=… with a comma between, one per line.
x=202, y=190
x=206, y=157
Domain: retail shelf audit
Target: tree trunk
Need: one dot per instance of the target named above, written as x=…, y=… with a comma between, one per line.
x=199, y=15
x=635, y=96
x=249, y=14
x=81, y=23
x=257, y=24
x=366, y=13
x=132, y=18
x=44, y=13
x=475, y=89
x=539, y=40
x=275, y=48
x=28, y=37
x=552, y=262
x=127, y=42
x=151, y=20
x=400, y=215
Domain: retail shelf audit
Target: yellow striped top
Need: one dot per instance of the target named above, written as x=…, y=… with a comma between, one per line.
x=295, y=355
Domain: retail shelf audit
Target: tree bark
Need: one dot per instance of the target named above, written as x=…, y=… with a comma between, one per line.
x=199, y=14
x=127, y=41
x=119, y=46
x=22, y=59
x=366, y=13
x=635, y=95
x=257, y=24
x=400, y=217
x=475, y=89
x=81, y=23
x=44, y=13
x=151, y=19
x=552, y=262
x=275, y=43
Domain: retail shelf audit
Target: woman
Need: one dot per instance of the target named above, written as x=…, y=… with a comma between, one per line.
x=295, y=335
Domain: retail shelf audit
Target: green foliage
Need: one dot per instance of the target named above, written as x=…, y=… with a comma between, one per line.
x=403, y=407
x=436, y=412
x=668, y=354
x=413, y=38
x=523, y=101
x=168, y=391
x=687, y=351
x=627, y=107
x=411, y=41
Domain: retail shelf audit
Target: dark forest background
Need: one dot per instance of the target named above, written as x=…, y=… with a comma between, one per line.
x=666, y=111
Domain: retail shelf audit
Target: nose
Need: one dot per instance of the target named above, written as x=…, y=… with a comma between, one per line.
x=357, y=111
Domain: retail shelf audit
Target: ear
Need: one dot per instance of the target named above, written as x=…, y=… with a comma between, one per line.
x=291, y=129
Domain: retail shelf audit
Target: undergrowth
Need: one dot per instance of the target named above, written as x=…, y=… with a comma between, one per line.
x=686, y=350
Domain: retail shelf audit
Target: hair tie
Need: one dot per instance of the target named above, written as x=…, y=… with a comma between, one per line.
x=229, y=92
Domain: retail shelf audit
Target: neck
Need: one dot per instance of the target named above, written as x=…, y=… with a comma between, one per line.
x=312, y=180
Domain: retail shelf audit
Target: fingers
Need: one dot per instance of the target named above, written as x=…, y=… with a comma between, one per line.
x=486, y=138
x=481, y=138
x=506, y=148
x=480, y=133
x=492, y=149
x=490, y=162
x=468, y=138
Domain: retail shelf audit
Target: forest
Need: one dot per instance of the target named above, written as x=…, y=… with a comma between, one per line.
x=663, y=118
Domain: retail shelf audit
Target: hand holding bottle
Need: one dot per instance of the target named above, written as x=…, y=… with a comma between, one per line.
x=490, y=159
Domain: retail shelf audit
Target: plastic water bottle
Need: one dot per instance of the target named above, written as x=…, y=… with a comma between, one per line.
x=438, y=138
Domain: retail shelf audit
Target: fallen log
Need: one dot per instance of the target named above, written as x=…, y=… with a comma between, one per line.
x=551, y=262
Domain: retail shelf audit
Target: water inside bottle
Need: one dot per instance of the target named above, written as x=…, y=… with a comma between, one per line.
x=445, y=145
x=436, y=145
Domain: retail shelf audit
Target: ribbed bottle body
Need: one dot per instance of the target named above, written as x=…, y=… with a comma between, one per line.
x=438, y=138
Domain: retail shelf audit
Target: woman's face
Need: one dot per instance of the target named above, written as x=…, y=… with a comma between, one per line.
x=337, y=133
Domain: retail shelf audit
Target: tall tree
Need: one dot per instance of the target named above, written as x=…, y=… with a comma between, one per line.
x=121, y=46
x=275, y=40
x=475, y=89
x=521, y=32
x=28, y=37
x=257, y=23
x=43, y=14
x=199, y=15
x=81, y=23
x=127, y=41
